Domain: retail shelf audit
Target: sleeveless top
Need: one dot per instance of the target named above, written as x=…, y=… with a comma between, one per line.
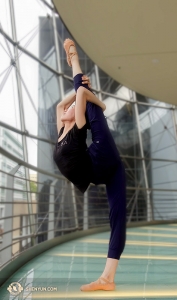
x=72, y=158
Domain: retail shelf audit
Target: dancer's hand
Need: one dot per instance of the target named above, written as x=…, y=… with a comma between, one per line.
x=103, y=107
x=86, y=80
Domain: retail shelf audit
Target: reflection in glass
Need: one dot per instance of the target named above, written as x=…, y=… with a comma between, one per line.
x=164, y=205
x=92, y=77
x=9, y=106
x=157, y=128
x=68, y=86
x=11, y=142
x=49, y=96
x=121, y=120
x=7, y=53
x=107, y=83
x=123, y=92
x=136, y=193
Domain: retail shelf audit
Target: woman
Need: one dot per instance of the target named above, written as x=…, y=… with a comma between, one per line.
x=99, y=163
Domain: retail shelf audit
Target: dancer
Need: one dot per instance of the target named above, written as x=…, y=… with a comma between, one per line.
x=99, y=163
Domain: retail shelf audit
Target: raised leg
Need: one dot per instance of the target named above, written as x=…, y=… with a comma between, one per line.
x=73, y=60
x=76, y=69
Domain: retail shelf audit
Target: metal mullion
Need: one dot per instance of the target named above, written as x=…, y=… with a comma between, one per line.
x=36, y=58
x=66, y=229
x=7, y=36
x=115, y=96
x=25, y=191
x=39, y=61
x=26, y=133
x=16, y=44
x=144, y=189
x=5, y=70
x=31, y=167
x=63, y=193
x=151, y=189
x=149, y=204
x=60, y=79
x=153, y=105
x=5, y=232
x=11, y=257
x=167, y=122
x=35, y=235
x=5, y=78
x=5, y=51
x=174, y=122
x=16, y=216
x=148, y=158
x=48, y=5
x=132, y=196
x=33, y=36
x=133, y=206
x=26, y=236
x=21, y=110
x=98, y=82
x=58, y=230
x=25, y=215
x=31, y=100
x=133, y=102
x=32, y=202
x=18, y=177
x=157, y=150
x=10, y=54
x=8, y=224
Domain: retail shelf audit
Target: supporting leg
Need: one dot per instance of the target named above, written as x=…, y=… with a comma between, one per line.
x=116, y=191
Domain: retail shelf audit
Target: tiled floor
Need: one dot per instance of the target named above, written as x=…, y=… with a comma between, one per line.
x=147, y=268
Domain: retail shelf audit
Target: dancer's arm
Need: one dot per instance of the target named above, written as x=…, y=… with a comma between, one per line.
x=61, y=106
x=84, y=95
x=66, y=103
x=92, y=98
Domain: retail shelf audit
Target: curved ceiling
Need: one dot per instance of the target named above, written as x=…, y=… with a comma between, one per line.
x=134, y=41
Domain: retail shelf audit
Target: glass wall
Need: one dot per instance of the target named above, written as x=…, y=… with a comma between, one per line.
x=36, y=201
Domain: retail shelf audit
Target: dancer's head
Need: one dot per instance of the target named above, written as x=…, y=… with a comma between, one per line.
x=68, y=114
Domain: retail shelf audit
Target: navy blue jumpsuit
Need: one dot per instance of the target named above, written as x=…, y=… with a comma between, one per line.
x=108, y=169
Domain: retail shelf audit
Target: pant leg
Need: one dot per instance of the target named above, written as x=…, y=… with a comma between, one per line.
x=78, y=82
x=103, y=150
x=94, y=113
x=116, y=192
